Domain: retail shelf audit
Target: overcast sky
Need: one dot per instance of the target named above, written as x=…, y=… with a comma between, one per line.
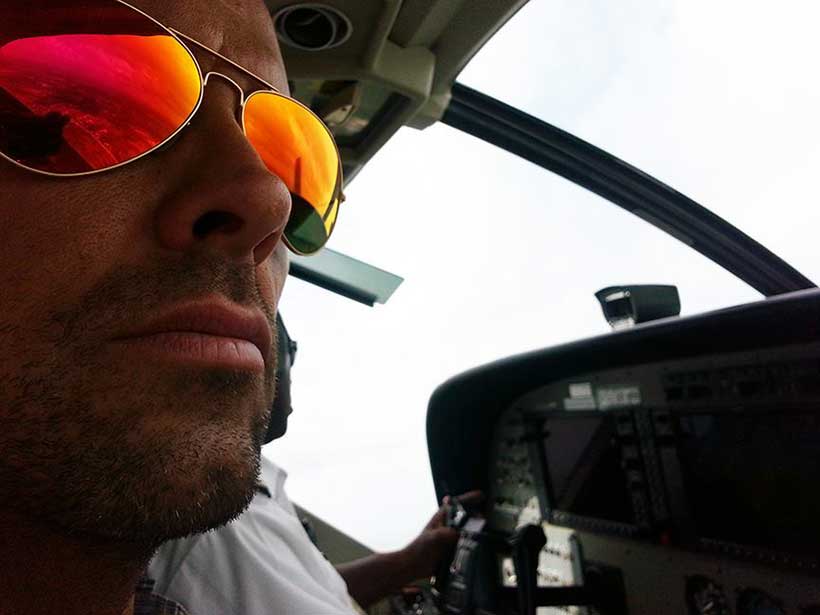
x=717, y=99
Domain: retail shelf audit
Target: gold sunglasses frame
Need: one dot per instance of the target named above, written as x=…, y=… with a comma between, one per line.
x=338, y=196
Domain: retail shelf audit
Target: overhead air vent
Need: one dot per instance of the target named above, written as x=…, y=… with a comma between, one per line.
x=312, y=27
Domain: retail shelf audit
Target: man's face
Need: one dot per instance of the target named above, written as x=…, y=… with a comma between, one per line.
x=103, y=431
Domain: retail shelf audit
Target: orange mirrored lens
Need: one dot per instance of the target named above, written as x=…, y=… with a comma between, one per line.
x=297, y=147
x=89, y=85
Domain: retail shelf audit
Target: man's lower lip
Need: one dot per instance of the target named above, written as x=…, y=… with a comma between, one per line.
x=199, y=349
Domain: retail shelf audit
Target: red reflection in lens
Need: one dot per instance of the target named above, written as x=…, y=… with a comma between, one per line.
x=82, y=102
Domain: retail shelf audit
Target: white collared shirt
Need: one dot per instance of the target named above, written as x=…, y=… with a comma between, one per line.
x=262, y=563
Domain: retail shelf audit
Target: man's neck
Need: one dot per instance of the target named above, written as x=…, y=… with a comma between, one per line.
x=44, y=572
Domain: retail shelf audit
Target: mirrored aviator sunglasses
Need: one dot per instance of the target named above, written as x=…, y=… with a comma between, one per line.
x=90, y=85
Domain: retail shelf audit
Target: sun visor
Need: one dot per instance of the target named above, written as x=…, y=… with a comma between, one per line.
x=345, y=276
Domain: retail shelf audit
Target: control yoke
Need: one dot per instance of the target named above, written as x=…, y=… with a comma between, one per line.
x=462, y=591
x=526, y=544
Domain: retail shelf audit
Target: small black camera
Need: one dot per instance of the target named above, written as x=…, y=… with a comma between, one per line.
x=625, y=306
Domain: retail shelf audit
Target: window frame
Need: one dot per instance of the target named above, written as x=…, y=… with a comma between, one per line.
x=623, y=185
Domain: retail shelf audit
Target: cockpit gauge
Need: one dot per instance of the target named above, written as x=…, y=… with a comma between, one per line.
x=705, y=597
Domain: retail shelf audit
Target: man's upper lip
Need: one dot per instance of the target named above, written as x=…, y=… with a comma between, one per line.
x=211, y=317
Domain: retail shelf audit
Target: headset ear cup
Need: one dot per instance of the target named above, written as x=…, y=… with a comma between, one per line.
x=281, y=407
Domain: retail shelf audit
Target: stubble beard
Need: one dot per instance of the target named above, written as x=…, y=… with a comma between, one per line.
x=124, y=452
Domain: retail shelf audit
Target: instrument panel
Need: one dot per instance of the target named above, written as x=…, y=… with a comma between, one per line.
x=694, y=478
x=668, y=468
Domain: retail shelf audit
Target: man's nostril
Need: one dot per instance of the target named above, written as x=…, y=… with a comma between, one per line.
x=217, y=222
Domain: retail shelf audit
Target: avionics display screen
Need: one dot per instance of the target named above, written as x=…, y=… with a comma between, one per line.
x=753, y=479
x=584, y=469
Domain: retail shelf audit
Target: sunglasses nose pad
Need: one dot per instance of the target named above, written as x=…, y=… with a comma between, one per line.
x=237, y=87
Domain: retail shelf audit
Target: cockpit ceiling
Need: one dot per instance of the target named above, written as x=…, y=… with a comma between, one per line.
x=394, y=63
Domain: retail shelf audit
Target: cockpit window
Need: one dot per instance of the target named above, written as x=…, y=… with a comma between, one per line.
x=500, y=256
x=714, y=99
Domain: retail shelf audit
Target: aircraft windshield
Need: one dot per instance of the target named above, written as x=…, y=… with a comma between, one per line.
x=717, y=100
x=500, y=256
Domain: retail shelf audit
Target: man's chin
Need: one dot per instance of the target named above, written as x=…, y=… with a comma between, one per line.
x=223, y=498
x=171, y=503
x=198, y=480
x=171, y=472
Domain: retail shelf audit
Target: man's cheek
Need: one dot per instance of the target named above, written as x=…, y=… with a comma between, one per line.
x=47, y=243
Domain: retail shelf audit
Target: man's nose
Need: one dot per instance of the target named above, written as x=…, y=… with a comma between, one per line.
x=223, y=197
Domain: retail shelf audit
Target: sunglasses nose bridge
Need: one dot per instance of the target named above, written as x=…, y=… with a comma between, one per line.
x=238, y=87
